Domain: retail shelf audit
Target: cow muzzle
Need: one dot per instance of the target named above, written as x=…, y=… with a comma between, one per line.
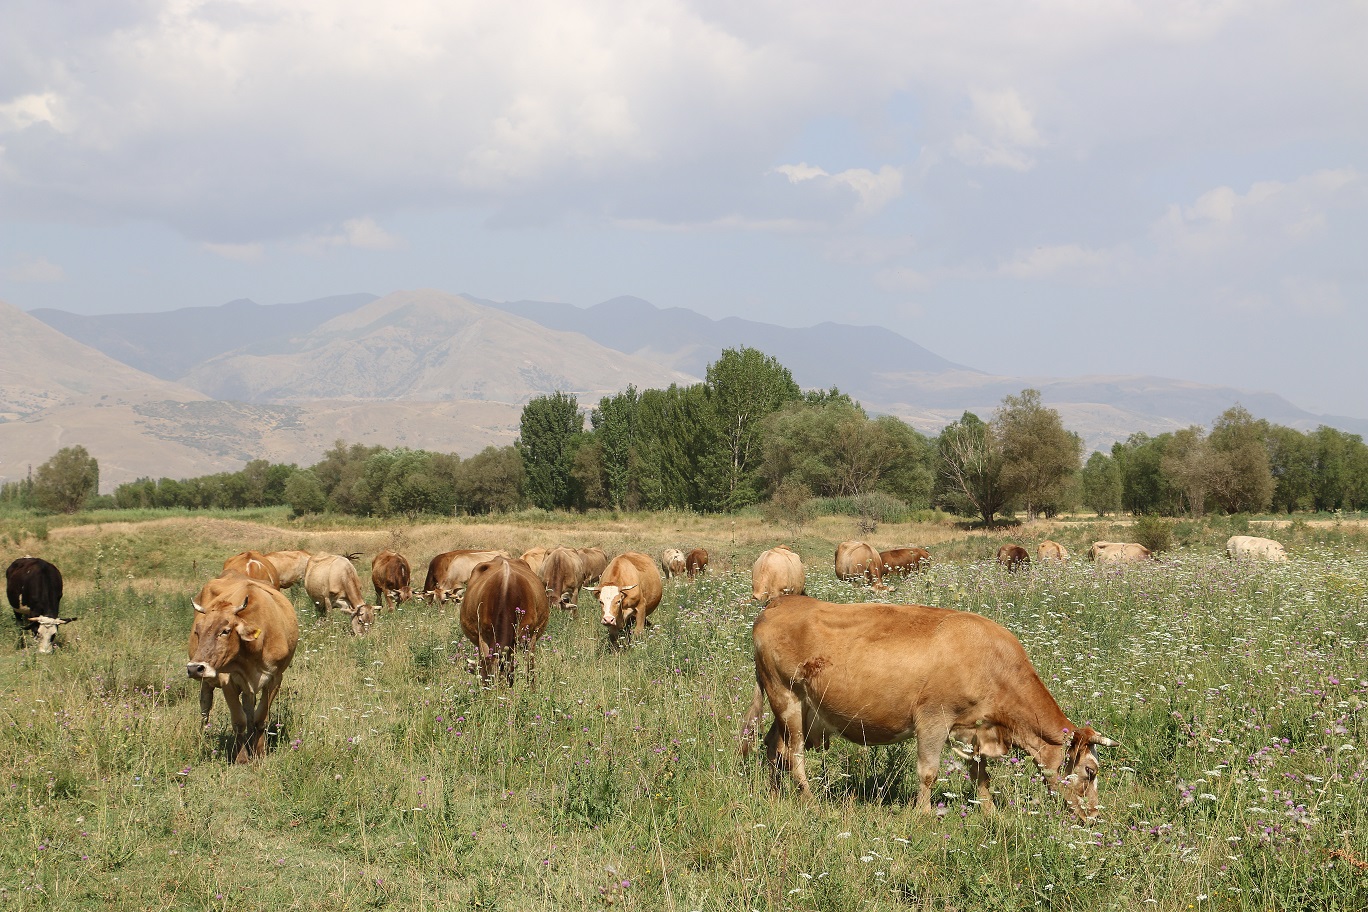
x=200, y=670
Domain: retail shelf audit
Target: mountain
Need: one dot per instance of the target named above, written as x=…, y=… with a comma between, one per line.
x=429, y=346
x=171, y=343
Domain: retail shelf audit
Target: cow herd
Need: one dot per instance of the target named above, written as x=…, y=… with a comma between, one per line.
x=871, y=673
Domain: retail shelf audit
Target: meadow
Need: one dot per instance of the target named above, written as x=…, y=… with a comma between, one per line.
x=395, y=781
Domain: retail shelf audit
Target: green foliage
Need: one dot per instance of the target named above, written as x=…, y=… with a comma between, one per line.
x=547, y=436
x=65, y=482
x=1154, y=532
x=491, y=481
x=1039, y=457
x=304, y=493
x=1100, y=484
x=969, y=476
x=744, y=386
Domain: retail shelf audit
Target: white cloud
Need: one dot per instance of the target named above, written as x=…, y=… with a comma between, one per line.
x=27, y=110
x=1313, y=297
x=1003, y=130
x=242, y=253
x=362, y=233
x=874, y=189
x=1060, y=261
x=37, y=270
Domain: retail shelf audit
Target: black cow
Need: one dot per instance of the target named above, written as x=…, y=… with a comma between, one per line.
x=34, y=589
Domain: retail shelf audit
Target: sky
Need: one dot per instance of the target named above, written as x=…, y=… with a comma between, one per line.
x=1052, y=189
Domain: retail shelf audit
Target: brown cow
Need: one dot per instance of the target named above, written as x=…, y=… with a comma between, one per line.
x=776, y=572
x=855, y=559
x=253, y=565
x=902, y=561
x=696, y=562
x=1052, y=551
x=289, y=566
x=533, y=557
x=447, y=573
x=504, y=606
x=331, y=581
x=629, y=590
x=879, y=674
x=672, y=562
x=1119, y=553
x=243, y=639
x=562, y=572
x=1014, y=557
x=391, y=577
x=595, y=561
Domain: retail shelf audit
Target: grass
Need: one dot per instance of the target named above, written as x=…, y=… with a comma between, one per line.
x=395, y=781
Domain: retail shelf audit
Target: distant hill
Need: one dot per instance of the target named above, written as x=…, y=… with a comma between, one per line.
x=424, y=345
x=171, y=343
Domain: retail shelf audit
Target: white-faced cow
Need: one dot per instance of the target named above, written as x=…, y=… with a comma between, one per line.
x=776, y=572
x=1251, y=547
x=504, y=607
x=243, y=639
x=34, y=589
x=332, y=582
x=391, y=577
x=629, y=590
x=879, y=674
x=856, y=560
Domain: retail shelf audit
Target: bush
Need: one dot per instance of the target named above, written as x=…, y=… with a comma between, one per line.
x=1154, y=532
x=876, y=506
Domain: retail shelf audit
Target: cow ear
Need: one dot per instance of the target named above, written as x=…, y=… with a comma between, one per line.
x=250, y=635
x=198, y=608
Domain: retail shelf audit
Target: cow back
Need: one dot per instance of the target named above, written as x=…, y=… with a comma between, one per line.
x=253, y=565
x=856, y=559
x=778, y=571
x=504, y=603
x=289, y=566
x=562, y=572
x=390, y=570
x=594, y=561
x=331, y=576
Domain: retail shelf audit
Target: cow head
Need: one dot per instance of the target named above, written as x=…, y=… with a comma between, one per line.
x=362, y=619
x=45, y=631
x=220, y=634
x=401, y=595
x=1077, y=780
x=612, y=599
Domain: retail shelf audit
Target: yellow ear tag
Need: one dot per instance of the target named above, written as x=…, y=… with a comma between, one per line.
x=256, y=633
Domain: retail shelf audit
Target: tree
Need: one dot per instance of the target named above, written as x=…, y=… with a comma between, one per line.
x=1241, y=479
x=678, y=460
x=744, y=386
x=304, y=493
x=1144, y=486
x=1187, y=463
x=491, y=481
x=65, y=482
x=1292, y=461
x=588, y=476
x=547, y=436
x=615, y=428
x=1038, y=455
x=969, y=473
x=1100, y=484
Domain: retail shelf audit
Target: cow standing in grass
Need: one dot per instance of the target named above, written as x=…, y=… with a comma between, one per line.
x=1014, y=557
x=391, y=577
x=855, y=559
x=776, y=572
x=253, y=565
x=629, y=590
x=504, y=607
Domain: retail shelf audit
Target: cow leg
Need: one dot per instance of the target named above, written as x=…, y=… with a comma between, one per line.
x=238, y=747
x=253, y=733
x=978, y=772
x=261, y=717
x=786, y=744
x=206, y=702
x=488, y=659
x=931, y=736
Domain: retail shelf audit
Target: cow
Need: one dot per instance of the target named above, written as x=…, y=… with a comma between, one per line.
x=776, y=572
x=563, y=572
x=243, y=639
x=289, y=566
x=1118, y=553
x=902, y=561
x=1052, y=551
x=1014, y=557
x=447, y=573
x=1250, y=547
x=628, y=591
x=331, y=582
x=594, y=561
x=34, y=589
x=504, y=606
x=855, y=559
x=253, y=565
x=880, y=674
x=45, y=631
x=533, y=557
x=672, y=562
x=390, y=575
x=696, y=562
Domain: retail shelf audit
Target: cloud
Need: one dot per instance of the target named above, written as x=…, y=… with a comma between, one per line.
x=873, y=189
x=1061, y=261
x=1002, y=132
x=242, y=253
x=27, y=110
x=36, y=270
x=901, y=279
x=362, y=233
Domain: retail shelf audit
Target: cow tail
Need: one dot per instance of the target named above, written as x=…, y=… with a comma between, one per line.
x=750, y=724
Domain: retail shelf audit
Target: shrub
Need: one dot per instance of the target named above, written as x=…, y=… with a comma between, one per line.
x=1154, y=532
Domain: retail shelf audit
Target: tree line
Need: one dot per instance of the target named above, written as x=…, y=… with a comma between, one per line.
x=749, y=435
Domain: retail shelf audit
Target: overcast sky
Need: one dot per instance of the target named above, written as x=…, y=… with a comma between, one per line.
x=1057, y=188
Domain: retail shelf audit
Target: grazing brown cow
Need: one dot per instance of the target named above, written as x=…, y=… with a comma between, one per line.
x=1119, y=553
x=672, y=562
x=696, y=562
x=391, y=577
x=253, y=565
x=855, y=559
x=1014, y=557
x=504, y=607
x=776, y=572
x=1052, y=551
x=331, y=581
x=562, y=571
x=595, y=561
x=879, y=674
x=533, y=557
x=903, y=561
x=289, y=566
x=447, y=573
x=629, y=590
x=243, y=639
x=1251, y=547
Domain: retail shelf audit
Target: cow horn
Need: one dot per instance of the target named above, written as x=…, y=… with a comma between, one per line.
x=625, y=588
x=1102, y=740
x=197, y=606
x=245, y=600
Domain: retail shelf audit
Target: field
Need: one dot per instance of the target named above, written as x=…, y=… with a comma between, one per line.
x=395, y=781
